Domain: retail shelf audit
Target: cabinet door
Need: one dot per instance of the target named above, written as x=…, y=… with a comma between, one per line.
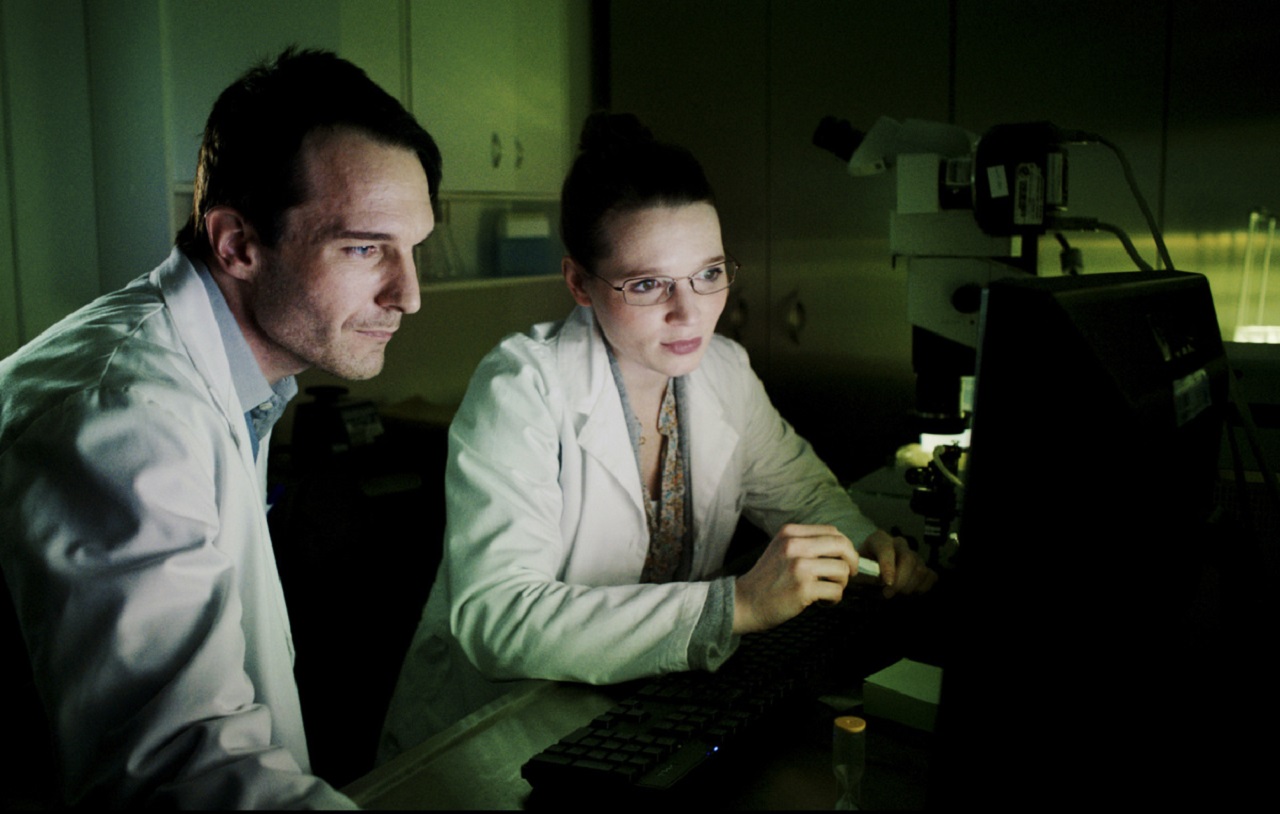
x=491, y=82
x=462, y=67
x=840, y=339
x=544, y=135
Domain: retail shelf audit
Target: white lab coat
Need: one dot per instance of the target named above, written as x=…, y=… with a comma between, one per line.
x=136, y=547
x=546, y=536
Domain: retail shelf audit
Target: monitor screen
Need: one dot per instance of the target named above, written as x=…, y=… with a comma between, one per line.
x=1078, y=614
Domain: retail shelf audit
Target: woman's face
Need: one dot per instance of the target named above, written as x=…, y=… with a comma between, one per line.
x=655, y=342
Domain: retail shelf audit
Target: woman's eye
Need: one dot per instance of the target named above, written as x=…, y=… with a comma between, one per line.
x=645, y=286
x=711, y=275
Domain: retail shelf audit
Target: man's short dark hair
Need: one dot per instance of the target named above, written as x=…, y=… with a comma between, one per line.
x=250, y=158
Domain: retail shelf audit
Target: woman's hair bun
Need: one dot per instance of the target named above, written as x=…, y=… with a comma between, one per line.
x=621, y=167
x=605, y=132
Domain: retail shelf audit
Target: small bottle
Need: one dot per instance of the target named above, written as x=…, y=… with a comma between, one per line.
x=848, y=758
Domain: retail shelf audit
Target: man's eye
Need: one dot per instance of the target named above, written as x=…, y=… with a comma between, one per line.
x=362, y=251
x=645, y=286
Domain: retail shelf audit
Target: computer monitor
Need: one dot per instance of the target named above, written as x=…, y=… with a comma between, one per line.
x=1083, y=604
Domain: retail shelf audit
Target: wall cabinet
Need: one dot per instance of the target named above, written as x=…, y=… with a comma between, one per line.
x=490, y=79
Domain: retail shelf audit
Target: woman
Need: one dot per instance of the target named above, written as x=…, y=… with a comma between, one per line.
x=598, y=467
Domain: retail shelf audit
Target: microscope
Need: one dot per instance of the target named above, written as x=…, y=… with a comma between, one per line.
x=970, y=210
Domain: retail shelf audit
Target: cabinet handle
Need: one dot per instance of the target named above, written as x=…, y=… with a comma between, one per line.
x=734, y=319
x=795, y=318
x=495, y=151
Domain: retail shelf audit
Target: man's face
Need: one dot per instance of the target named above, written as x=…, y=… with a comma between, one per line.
x=332, y=291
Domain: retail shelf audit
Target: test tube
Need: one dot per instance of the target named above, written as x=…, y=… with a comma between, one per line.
x=848, y=759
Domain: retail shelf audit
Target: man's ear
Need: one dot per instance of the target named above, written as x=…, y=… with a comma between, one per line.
x=234, y=242
x=575, y=276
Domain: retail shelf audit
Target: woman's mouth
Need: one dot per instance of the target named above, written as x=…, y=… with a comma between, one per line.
x=683, y=347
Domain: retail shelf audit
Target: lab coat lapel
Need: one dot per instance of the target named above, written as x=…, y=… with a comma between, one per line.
x=186, y=297
x=600, y=423
x=713, y=442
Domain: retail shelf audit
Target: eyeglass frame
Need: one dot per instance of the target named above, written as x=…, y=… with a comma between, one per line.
x=732, y=267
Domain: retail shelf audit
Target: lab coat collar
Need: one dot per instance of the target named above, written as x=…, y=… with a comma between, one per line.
x=253, y=388
x=193, y=317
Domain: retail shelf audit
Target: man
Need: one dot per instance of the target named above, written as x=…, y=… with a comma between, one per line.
x=133, y=435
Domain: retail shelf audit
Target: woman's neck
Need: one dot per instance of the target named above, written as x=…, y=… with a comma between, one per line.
x=645, y=391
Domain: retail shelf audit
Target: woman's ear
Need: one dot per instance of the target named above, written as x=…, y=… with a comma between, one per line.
x=234, y=242
x=575, y=276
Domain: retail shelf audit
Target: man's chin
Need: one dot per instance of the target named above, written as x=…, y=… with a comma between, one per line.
x=354, y=370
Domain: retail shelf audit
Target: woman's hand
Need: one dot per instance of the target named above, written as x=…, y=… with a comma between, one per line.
x=806, y=564
x=901, y=569
x=802, y=565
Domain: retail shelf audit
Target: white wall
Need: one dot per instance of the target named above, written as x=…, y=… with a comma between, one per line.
x=124, y=44
x=52, y=265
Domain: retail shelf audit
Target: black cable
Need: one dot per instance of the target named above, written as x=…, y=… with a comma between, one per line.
x=1095, y=225
x=1070, y=260
x=1080, y=136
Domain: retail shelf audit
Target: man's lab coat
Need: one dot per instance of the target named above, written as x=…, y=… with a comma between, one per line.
x=136, y=547
x=546, y=536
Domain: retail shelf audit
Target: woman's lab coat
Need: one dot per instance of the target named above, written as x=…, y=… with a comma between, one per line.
x=136, y=547
x=547, y=537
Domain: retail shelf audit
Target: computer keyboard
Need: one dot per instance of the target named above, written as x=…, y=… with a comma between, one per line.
x=668, y=732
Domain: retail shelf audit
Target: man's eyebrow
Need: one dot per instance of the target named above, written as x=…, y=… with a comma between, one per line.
x=355, y=234
x=334, y=229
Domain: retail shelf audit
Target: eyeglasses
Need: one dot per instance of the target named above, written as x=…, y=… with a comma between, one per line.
x=657, y=290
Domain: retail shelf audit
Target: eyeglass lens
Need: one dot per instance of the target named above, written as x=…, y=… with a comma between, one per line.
x=655, y=290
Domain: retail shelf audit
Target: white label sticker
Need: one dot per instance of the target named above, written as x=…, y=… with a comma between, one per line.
x=997, y=181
